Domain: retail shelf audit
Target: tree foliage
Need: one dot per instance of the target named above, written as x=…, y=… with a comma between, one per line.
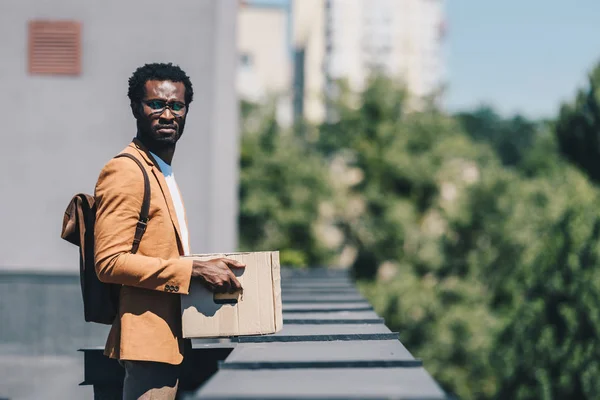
x=578, y=127
x=282, y=184
x=511, y=138
x=473, y=235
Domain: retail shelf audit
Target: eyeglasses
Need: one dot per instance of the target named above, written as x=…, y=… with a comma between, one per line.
x=158, y=106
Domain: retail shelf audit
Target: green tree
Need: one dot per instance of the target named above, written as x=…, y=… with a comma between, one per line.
x=450, y=243
x=511, y=138
x=402, y=157
x=415, y=168
x=473, y=237
x=548, y=348
x=533, y=244
x=282, y=184
x=578, y=127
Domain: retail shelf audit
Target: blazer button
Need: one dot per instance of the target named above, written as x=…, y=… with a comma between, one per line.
x=177, y=288
x=168, y=288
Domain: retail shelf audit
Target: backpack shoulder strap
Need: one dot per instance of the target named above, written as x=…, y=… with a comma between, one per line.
x=145, y=211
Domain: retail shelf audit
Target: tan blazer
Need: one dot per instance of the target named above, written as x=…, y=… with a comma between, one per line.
x=149, y=324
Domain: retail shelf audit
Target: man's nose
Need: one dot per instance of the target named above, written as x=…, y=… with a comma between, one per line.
x=167, y=114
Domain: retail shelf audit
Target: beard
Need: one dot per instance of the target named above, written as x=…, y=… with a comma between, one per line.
x=158, y=140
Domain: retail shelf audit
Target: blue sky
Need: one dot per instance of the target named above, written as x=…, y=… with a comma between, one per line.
x=522, y=56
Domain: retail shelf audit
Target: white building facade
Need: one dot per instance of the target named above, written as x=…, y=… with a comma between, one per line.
x=295, y=50
x=400, y=38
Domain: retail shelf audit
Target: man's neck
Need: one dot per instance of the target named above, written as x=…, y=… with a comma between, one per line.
x=164, y=152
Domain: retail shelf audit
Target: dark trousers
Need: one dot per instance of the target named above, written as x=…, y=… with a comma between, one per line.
x=146, y=380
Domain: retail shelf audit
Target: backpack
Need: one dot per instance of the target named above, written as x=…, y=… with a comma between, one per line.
x=100, y=300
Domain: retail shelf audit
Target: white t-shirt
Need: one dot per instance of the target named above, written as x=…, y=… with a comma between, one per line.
x=167, y=171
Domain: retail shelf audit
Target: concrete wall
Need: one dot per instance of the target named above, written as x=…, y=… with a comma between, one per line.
x=42, y=315
x=58, y=132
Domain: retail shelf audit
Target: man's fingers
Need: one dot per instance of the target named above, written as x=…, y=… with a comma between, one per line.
x=233, y=263
x=236, y=286
x=224, y=287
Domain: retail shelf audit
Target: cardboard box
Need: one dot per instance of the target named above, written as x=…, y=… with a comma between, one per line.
x=254, y=311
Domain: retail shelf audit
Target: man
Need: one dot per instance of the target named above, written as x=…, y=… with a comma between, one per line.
x=146, y=335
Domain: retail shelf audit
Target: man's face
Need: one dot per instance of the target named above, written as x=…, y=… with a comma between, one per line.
x=161, y=115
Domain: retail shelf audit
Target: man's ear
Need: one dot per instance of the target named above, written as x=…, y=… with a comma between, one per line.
x=136, y=109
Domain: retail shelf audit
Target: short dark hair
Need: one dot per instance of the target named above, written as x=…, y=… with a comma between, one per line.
x=158, y=72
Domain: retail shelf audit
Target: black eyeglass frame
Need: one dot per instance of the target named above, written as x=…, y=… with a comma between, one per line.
x=166, y=104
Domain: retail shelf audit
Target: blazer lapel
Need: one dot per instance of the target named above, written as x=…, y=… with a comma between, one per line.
x=136, y=144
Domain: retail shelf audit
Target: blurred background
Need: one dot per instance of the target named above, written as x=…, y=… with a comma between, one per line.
x=446, y=152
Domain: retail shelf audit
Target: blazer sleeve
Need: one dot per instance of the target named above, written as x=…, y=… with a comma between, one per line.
x=119, y=197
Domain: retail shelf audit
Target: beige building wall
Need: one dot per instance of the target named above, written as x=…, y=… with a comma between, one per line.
x=309, y=34
x=344, y=34
x=264, y=63
x=418, y=45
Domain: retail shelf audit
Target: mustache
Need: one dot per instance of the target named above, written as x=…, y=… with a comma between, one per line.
x=161, y=126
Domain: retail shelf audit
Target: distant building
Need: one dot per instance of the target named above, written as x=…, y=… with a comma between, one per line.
x=400, y=38
x=264, y=60
x=281, y=47
x=309, y=49
x=64, y=70
x=297, y=49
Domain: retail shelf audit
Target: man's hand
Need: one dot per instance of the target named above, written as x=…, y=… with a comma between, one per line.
x=217, y=275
